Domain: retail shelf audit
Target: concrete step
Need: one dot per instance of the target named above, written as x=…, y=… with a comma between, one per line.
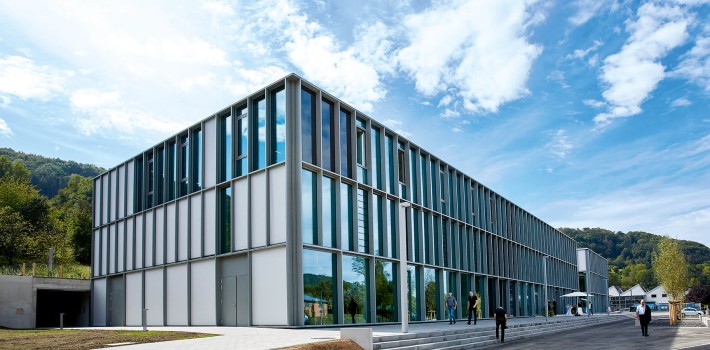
x=469, y=338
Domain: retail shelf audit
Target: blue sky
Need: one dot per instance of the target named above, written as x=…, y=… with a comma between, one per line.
x=586, y=113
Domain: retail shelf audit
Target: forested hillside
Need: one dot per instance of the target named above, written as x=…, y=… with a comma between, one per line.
x=630, y=255
x=49, y=175
x=31, y=222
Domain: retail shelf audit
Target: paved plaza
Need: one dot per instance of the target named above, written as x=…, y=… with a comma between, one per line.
x=622, y=334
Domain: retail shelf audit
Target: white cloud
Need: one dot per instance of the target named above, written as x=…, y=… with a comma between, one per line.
x=586, y=9
x=104, y=111
x=579, y=53
x=5, y=130
x=558, y=76
x=695, y=65
x=560, y=144
x=681, y=102
x=22, y=78
x=594, y=103
x=480, y=49
x=450, y=113
x=218, y=8
x=633, y=73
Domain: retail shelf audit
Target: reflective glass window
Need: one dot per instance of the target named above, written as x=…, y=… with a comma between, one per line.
x=308, y=114
x=278, y=134
x=225, y=159
x=319, y=288
x=328, y=140
x=412, y=295
x=363, y=219
x=385, y=301
x=355, y=289
x=309, y=229
x=346, y=217
x=375, y=164
x=329, y=212
x=345, y=142
x=225, y=220
x=259, y=152
x=431, y=293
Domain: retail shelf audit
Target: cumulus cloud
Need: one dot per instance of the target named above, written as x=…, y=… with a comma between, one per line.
x=630, y=75
x=594, y=103
x=5, y=130
x=22, y=78
x=479, y=49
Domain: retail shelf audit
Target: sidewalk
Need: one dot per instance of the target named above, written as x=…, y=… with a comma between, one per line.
x=257, y=338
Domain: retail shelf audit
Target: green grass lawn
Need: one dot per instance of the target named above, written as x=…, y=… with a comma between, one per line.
x=83, y=339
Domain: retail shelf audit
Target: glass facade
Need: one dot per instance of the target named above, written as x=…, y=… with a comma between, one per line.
x=355, y=289
x=319, y=288
x=355, y=174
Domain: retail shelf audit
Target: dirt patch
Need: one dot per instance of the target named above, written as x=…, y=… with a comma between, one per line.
x=83, y=339
x=327, y=345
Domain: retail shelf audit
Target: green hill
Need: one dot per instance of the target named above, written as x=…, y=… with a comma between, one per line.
x=49, y=175
x=630, y=255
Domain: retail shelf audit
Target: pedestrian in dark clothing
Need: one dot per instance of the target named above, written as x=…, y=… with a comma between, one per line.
x=643, y=314
x=554, y=308
x=472, y=307
x=501, y=318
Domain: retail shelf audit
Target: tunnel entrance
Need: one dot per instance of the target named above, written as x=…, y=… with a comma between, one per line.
x=74, y=305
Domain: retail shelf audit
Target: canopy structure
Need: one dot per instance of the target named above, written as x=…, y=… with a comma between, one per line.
x=574, y=294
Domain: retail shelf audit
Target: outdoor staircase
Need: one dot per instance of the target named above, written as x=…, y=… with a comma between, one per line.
x=483, y=336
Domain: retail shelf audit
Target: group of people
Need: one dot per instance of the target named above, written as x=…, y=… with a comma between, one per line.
x=501, y=316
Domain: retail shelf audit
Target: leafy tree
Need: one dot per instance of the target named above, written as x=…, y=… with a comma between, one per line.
x=699, y=294
x=73, y=204
x=671, y=268
x=13, y=234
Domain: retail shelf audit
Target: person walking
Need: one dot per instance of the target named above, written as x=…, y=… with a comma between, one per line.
x=643, y=314
x=501, y=319
x=451, y=303
x=472, y=307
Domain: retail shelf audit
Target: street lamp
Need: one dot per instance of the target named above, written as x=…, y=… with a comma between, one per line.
x=547, y=301
x=403, y=265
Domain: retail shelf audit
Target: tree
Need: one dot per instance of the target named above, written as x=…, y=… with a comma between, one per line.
x=13, y=234
x=73, y=204
x=699, y=294
x=671, y=268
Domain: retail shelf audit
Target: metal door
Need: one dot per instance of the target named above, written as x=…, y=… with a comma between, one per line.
x=229, y=301
x=243, y=300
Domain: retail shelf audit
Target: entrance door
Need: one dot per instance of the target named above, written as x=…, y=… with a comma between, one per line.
x=229, y=301
x=242, y=307
x=116, y=302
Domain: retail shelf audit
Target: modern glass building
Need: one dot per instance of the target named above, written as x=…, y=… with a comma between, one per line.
x=593, y=279
x=283, y=209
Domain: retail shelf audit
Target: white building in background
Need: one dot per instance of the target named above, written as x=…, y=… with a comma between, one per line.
x=658, y=297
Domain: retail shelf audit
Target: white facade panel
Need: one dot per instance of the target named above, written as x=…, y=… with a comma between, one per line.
x=268, y=277
x=177, y=295
x=202, y=292
x=96, y=254
x=134, y=298
x=160, y=236
x=149, y=239
x=154, y=296
x=121, y=196
x=196, y=226
x=121, y=244
x=129, y=188
x=277, y=205
x=210, y=153
x=104, y=198
x=241, y=214
x=104, y=251
x=183, y=216
x=258, y=210
x=97, y=202
x=170, y=234
x=581, y=260
x=139, y=241
x=129, y=245
x=112, y=248
x=210, y=220
x=112, y=199
x=98, y=303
